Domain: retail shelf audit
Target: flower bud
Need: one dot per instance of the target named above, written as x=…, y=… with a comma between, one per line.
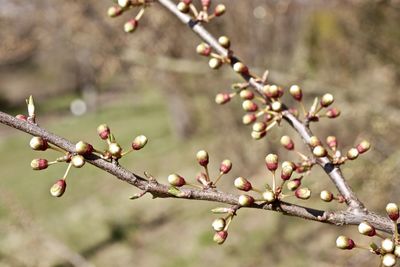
x=319, y=151
x=77, y=161
x=314, y=141
x=332, y=142
x=286, y=173
x=176, y=180
x=271, y=160
x=303, y=193
x=220, y=237
x=183, y=7
x=224, y=41
x=246, y=94
x=83, y=148
x=226, y=166
x=214, y=63
x=202, y=158
x=21, y=117
x=258, y=135
x=249, y=106
x=242, y=184
x=387, y=245
x=397, y=251
x=218, y=224
x=326, y=100
x=38, y=143
x=249, y=118
x=332, y=113
x=39, y=164
x=287, y=142
x=343, y=242
x=103, y=131
x=269, y=196
x=203, y=49
x=392, y=211
x=259, y=126
x=206, y=3
x=131, y=25
x=389, y=260
x=114, y=11
x=326, y=196
x=58, y=189
x=115, y=150
x=296, y=92
x=273, y=91
x=365, y=228
x=276, y=106
x=124, y=3
x=352, y=153
x=293, y=184
x=222, y=98
x=363, y=147
x=245, y=200
x=139, y=142
x=219, y=10
x=239, y=67
x=288, y=164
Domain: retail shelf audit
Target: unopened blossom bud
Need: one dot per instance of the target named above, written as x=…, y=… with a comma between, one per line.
x=218, y=224
x=319, y=151
x=183, y=7
x=326, y=100
x=131, y=25
x=392, y=211
x=259, y=126
x=38, y=143
x=58, y=189
x=286, y=173
x=303, y=193
x=21, y=117
x=139, y=142
x=287, y=142
x=326, y=196
x=343, y=242
x=220, y=237
x=124, y=3
x=271, y=160
x=176, y=180
x=352, y=153
x=103, y=131
x=363, y=147
x=249, y=118
x=214, y=63
x=293, y=184
x=239, y=67
x=77, y=161
x=203, y=49
x=249, y=106
x=226, y=166
x=314, y=141
x=258, y=135
x=387, y=245
x=245, y=200
x=206, y=3
x=272, y=91
x=276, y=106
x=389, y=260
x=39, y=164
x=288, y=164
x=246, y=94
x=296, y=92
x=115, y=150
x=269, y=196
x=397, y=251
x=114, y=11
x=219, y=10
x=332, y=113
x=332, y=142
x=365, y=228
x=83, y=148
x=222, y=98
x=224, y=42
x=202, y=158
x=242, y=184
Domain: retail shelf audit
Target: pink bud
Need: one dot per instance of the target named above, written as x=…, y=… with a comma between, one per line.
x=226, y=166
x=271, y=160
x=58, y=189
x=220, y=237
x=103, y=131
x=39, y=164
x=222, y=98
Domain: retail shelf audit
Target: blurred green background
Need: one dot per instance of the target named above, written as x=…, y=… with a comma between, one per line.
x=153, y=83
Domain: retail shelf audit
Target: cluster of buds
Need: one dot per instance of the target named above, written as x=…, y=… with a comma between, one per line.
x=389, y=249
x=203, y=15
x=305, y=164
x=221, y=224
x=125, y=5
x=313, y=114
x=203, y=178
